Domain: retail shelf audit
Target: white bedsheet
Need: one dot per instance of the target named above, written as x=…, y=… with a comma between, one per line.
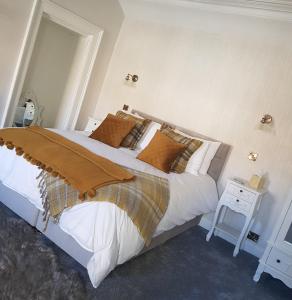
x=102, y=227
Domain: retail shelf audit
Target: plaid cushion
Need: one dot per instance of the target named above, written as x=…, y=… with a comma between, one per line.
x=166, y=126
x=180, y=163
x=132, y=139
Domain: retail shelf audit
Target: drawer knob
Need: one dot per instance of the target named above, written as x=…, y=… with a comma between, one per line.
x=237, y=200
x=241, y=191
x=278, y=261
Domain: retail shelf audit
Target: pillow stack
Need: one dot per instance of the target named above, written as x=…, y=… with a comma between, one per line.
x=121, y=130
x=134, y=136
x=200, y=161
x=192, y=145
x=113, y=130
x=162, y=146
x=161, y=152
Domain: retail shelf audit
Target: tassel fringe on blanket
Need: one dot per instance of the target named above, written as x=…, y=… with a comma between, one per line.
x=63, y=159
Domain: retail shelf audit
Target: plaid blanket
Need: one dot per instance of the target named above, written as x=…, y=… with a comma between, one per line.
x=145, y=199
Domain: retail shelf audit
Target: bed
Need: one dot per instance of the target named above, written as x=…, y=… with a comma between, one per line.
x=100, y=235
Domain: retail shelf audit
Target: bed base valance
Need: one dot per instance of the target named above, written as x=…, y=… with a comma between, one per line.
x=22, y=207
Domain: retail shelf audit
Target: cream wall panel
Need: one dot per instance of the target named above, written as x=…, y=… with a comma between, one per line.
x=13, y=21
x=216, y=76
x=50, y=66
x=108, y=15
x=14, y=15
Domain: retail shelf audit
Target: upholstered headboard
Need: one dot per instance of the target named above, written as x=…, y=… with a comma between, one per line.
x=220, y=157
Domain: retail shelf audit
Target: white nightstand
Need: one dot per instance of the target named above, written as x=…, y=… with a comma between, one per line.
x=92, y=124
x=241, y=199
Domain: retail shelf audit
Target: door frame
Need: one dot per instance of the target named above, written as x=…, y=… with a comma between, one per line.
x=78, y=79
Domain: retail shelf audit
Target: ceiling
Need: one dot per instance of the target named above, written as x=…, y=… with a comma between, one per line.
x=269, y=9
x=274, y=5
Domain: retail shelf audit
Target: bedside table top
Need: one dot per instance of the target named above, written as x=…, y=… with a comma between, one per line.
x=241, y=183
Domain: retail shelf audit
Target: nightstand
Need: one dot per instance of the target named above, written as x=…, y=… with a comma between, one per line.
x=92, y=124
x=240, y=198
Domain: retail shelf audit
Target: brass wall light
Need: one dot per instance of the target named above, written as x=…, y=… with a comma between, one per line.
x=132, y=77
x=267, y=119
x=125, y=107
x=252, y=156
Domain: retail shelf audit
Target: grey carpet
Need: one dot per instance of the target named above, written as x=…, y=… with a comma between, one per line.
x=186, y=267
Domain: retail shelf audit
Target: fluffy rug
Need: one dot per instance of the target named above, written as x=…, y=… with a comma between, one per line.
x=32, y=267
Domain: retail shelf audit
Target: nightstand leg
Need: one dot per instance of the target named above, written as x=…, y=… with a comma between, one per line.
x=242, y=234
x=222, y=215
x=217, y=213
x=248, y=229
x=258, y=273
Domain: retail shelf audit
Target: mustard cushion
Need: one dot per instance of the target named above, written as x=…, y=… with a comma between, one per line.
x=113, y=130
x=161, y=152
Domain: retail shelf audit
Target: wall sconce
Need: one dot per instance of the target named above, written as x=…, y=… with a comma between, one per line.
x=252, y=156
x=266, y=124
x=267, y=119
x=125, y=107
x=133, y=78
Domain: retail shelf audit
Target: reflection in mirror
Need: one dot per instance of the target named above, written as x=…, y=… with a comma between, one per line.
x=288, y=237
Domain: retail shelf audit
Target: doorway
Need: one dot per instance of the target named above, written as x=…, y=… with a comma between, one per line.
x=47, y=75
x=54, y=67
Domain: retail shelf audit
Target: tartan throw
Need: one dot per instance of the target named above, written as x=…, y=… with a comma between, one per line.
x=132, y=139
x=145, y=199
x=180, y=163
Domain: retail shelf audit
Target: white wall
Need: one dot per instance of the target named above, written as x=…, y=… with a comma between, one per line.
x=13, y=20
x=215, y=74
x=107, y=14
x=50, y=66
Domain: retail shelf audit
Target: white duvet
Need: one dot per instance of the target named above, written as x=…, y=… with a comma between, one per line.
x=100, y=227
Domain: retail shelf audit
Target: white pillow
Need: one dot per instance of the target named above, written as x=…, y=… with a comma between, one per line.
x=133, y=114
x=148, y=135
x=213, y=147
x=196, y=160
x=200, y=161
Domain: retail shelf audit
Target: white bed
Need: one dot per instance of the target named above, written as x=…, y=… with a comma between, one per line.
x=99, y=235
x=100, y=227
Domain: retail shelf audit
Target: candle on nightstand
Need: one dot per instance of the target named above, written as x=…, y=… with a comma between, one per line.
x=256, y=182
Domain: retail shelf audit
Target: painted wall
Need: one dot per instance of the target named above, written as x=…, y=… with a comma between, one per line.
x=13, y=19
x=106, y=14
x=216, y=74
x=49, y=67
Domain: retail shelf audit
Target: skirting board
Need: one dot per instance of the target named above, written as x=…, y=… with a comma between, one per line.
x=248, y=246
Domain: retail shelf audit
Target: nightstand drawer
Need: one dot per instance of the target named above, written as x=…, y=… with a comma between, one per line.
x=240, y=193
x=237, y=204
x=280, y=261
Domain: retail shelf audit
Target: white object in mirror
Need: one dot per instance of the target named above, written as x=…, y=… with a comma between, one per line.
x=28, y=111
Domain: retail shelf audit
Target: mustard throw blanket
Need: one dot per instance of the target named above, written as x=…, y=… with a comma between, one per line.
x=77, y=166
